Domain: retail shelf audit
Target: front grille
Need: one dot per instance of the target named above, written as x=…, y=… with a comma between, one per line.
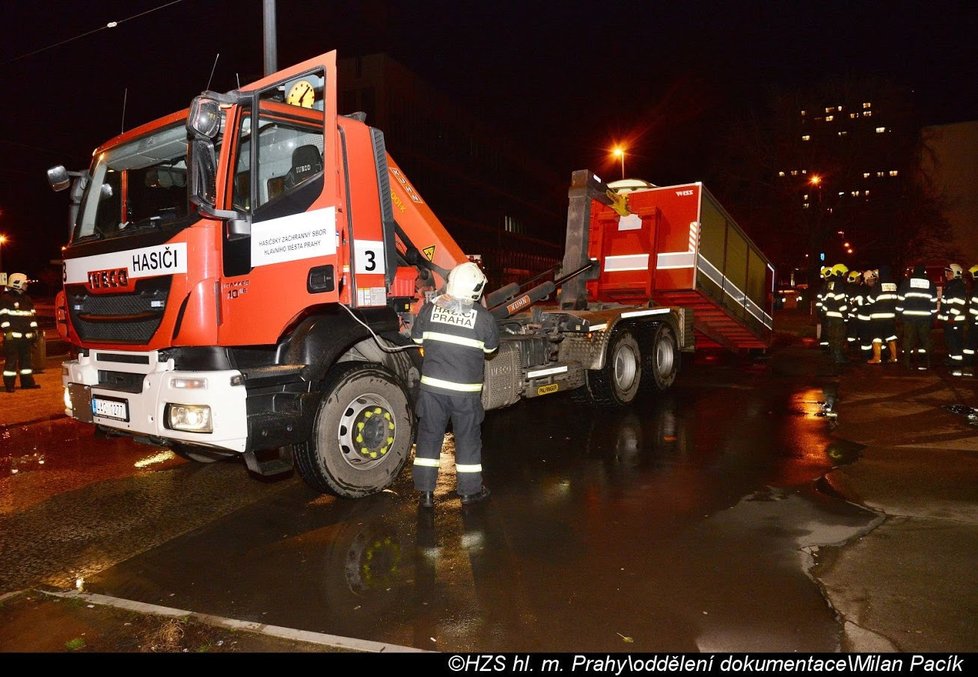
x=119, y=318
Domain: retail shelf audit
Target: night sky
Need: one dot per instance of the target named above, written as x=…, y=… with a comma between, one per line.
x=567, y=78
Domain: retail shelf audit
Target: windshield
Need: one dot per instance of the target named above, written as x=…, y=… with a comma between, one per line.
x=142, y=184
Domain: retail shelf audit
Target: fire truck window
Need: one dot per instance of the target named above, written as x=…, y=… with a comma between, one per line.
x=107, y=215
x=242, y=191
x=307, y=161
x=158, y=192
x=288, y=158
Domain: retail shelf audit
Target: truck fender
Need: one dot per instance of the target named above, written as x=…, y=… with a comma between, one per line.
x=332, y=335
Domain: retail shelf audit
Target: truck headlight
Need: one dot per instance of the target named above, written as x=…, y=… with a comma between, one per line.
x=194, y=418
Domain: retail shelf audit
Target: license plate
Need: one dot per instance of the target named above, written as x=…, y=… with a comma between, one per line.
x=110, y=408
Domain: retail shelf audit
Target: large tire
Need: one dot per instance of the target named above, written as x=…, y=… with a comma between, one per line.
x=362, y=434
x=618, y=382
x=660, y=360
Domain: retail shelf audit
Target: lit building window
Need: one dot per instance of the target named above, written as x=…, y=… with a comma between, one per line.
x=806, y=205
x=781, y=173
x=842, y=193
x=867, y=113
x=881, y=174
x=830, y=109
x=866, y=175
x=794, y=172
x=867, y=104
x=512, y=225
x=806, y=137
x=829, y=118
x=880, y=130
x=843, y=133
x=853, y=116
x=803, y=113
x=893, y=172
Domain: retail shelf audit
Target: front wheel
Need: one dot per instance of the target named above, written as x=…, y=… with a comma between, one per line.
x=362, y=434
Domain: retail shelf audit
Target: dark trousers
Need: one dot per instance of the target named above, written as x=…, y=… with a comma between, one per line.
x=465, y=413
x=883, y=329
x=971, y=345
x=835, y=328
x=17, y=356
x=954, y=341
x=865, y=337
x=917, y=337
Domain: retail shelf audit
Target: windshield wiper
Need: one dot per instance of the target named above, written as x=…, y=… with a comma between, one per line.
x=150, y=221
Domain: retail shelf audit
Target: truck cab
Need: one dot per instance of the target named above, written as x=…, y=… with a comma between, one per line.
x=233, y=264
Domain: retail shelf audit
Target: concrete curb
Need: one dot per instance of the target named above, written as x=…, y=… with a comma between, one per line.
x=291, y=634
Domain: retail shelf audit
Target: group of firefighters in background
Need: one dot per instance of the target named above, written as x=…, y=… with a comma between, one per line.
x=866, y=309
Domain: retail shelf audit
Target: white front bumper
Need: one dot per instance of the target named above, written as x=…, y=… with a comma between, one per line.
x=145, y=410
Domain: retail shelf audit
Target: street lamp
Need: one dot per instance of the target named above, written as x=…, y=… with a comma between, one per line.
x=3, y=241
x=619, y=152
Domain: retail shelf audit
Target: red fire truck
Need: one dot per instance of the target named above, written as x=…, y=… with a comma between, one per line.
x=242, y=277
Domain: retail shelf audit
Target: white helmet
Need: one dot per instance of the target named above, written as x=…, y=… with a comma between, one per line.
x=956, y=271
x=17, y=281
x=466, y=281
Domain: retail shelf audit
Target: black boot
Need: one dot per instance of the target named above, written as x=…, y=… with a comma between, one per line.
x=477, y=497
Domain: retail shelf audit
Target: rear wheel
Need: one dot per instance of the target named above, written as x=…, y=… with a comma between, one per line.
x=362, y=433
x=660, y=361
x=617, y=383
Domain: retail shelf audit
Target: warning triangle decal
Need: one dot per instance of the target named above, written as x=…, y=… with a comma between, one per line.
x=429, y=252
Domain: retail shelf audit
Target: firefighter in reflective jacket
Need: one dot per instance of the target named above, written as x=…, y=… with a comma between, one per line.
x=854, y=293
x=823, y=341
x=835, y=303
x=917, y=306
x=882, y=303
x=971, y=342
x=18, y=320
x=954, y=313
x=457, y=332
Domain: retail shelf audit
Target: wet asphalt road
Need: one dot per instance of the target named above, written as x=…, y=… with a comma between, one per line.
x=685, y=523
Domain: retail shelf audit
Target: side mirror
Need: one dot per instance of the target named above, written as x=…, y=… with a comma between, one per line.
x=58, y=178
x=205, y=117
x=205, y=122
x=203, y=167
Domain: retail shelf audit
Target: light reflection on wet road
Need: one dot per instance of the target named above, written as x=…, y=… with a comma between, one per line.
x=681, y=524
